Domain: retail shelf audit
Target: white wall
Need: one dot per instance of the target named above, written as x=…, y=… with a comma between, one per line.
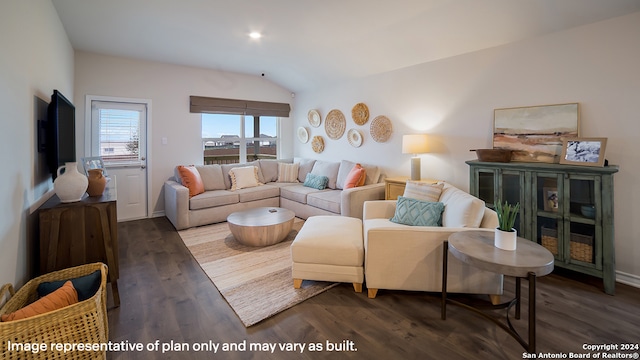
x=169, y=88
x=453, y=100
x=36, y=58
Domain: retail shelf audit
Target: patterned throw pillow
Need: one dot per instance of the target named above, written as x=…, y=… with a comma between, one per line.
x=288, y=173
x=417, y=212
x=423, y=191
x=244, y=177
x=316, y=181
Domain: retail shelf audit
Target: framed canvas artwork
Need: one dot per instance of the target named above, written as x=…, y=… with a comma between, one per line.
x=535, y=133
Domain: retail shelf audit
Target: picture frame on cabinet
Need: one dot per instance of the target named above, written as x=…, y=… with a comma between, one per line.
x=583, y=151
x=551, y=199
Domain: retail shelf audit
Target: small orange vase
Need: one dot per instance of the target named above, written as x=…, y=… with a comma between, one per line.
x=97, y=182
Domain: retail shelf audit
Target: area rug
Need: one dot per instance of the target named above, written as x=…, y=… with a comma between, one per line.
x=255, y=281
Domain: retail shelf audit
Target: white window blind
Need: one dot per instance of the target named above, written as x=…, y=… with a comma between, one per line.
x=116, y=137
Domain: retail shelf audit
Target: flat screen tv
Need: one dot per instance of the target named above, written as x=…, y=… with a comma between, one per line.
x=60, y=132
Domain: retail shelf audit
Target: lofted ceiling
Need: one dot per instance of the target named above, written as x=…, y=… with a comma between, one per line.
x=309, y=43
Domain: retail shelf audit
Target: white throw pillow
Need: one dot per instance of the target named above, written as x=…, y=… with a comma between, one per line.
x=288, y=173
x=460, y=208
x=244, y=177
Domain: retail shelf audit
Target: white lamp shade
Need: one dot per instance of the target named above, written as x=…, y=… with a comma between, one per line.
x=414, y=144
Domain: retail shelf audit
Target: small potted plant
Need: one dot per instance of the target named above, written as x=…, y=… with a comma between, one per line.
x=506, y=235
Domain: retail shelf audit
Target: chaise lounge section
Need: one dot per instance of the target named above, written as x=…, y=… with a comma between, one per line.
x=404, y=257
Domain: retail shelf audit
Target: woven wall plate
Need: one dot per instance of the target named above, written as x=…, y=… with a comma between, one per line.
x=314, y=118
x=381, y=129
x=360, y=114
x=317, y=144
x=354, y=137
x=335, y=124
x=303, y=134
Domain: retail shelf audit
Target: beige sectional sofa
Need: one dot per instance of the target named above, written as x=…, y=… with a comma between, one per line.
x=403, y=257
x=218, y=200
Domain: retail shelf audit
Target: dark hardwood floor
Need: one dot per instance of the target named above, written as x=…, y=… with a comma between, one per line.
x=165, y=296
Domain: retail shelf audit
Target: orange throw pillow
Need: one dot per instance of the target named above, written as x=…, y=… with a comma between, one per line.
x=191, y=179
x=356, y=177
x=64, y=296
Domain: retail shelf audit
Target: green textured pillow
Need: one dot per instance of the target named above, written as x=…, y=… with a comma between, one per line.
x=417, y=212
x=86, y=286
x=316, y=181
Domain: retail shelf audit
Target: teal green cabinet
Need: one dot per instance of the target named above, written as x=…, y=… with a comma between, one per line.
x=566, y=208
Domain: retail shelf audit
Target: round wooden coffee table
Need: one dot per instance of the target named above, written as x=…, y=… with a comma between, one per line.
x=261, y=226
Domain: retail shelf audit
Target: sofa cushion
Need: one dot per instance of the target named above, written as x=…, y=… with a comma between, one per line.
x=190, y=178
x=373, y=174
x=417, y=212
x=297, y=193
x=326, y=200
x=288, y=173
x=244, y=177
x=269, y=169
x=213, y=198
x=328, y=169
x=258, y=193
x=211, y=176
x=305, y=167
x=423, y=191
x=460, y=208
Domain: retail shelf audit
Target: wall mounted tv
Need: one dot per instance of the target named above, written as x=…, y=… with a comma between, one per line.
x=59, y=132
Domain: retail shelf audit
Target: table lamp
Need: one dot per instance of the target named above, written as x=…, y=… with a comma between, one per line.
x=415, y=144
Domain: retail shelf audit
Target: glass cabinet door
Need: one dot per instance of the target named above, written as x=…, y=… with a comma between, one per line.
x=584, y=231
x=511, y=189
x=486, y=186
x=548, y=209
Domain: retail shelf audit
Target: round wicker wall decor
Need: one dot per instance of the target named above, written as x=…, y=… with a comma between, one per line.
x=381, y=129
x=317, y=144
x=360, y=114
x=335, y=124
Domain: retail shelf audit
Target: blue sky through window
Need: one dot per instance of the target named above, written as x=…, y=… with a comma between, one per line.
x=216, y=125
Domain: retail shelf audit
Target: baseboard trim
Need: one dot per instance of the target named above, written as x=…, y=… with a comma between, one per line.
x=628, y=279
x=157, y=214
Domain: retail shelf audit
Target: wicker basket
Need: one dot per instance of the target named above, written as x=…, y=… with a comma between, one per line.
x=581, y=247
x=84, y=322
x=550, y=239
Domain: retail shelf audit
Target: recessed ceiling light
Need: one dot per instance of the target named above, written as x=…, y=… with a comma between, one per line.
x=255, y=35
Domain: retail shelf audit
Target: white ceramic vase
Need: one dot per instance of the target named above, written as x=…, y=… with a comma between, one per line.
x=70, y=185
x=506, y=240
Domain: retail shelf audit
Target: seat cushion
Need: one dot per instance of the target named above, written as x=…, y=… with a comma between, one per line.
x=258, y=193
x=213, y=198
x=325, y=200
x=297, y=192
x=331, y=240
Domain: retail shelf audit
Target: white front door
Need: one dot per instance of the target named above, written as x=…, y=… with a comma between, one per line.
x=119, y=137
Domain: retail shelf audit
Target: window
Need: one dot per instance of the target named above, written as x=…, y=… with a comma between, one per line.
x=230, y=138
x=117, y=139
